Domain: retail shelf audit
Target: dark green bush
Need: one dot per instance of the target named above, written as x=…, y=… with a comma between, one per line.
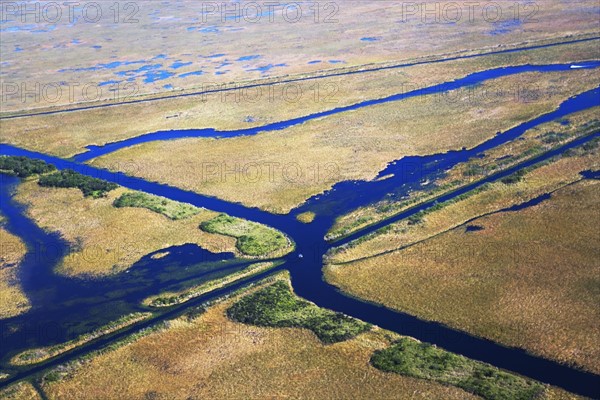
x=514, y=178
x=253, y=239
x=169, y=208
x=421, y=360
x=70, y=179
x=24, y=167
x=277, y=306
x=554, y=137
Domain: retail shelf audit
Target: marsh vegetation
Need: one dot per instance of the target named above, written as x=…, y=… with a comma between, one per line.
x=13, y=300
x=169, y=208
x=532, y=143
x=425, y=361
x=171, y=298
x=104, y=239
x=541, y=291
x=34, y=356
x=90, y=187
x=253, y=239
x=24, y=167
x=277, y=306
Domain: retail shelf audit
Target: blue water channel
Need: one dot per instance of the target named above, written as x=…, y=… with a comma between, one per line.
x=468, y=81
x=65, y=307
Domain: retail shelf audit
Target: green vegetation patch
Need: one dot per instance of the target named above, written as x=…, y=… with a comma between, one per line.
x=24, y=167
x=306, y=217
x=421, y=360
x=514, y=178
x=169, y=208
x=253, y=239
x=554, y=137
x=277, y=306
x=68, y=178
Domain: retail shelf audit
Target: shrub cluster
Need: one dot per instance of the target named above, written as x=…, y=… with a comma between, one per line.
x=70, y=179
x=514, y=178
x=24, y=167
x=169, y=208
x=421, y=360
x=253, y=239
x=277, y=306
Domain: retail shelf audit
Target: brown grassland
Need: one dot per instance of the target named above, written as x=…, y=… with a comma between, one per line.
x=528, y=279
x=279, y=170
x=104, y=239
x=67, y=134
x=495, y=196
x=20, y=391
x=163, y=28
x=533, y=142
x=12, y=299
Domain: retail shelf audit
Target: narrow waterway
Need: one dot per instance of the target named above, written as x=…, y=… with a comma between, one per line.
x=468, y=81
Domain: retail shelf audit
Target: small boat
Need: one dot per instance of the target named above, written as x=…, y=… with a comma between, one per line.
x=300, y=256
x=577, y=66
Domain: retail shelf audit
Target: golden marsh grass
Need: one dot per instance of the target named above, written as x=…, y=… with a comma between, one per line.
x=527, y=279
x=529, y=144
x=20, y=391
x=12, y=299
x=297, y=44
x=496, y=196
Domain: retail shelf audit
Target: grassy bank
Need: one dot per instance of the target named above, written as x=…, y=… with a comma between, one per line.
x=169, y=208
x=13, y=300
x=302, y=161
x=24, y=167
x=169, y=360
x=172, y=298
x=90, y=187
x=67, y=134
x=517, y=188
x=105, y=240
x=253, y=239
x=533, y=142
x=35, y=356
x=421, y=360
